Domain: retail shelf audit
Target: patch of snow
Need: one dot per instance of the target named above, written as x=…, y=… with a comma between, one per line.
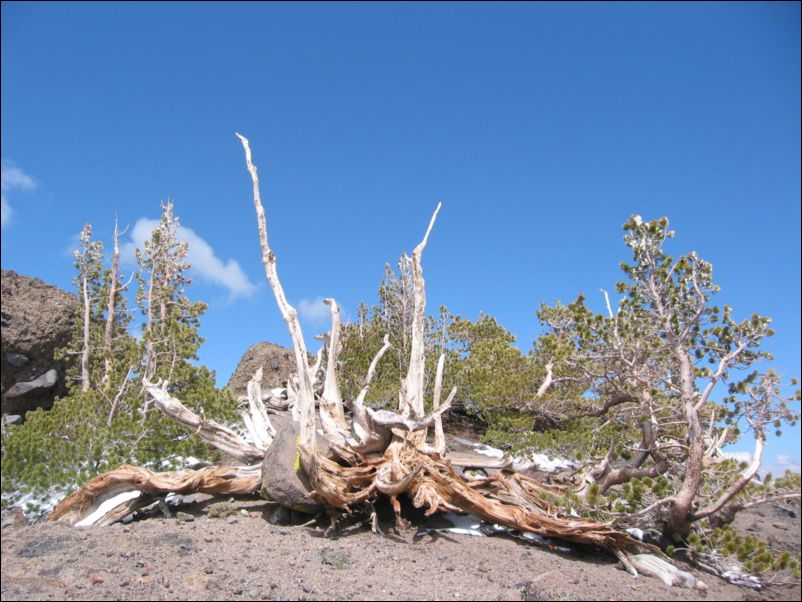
x=465, y=442
x=37, y=505
x=460, y=531
x=475, y=474
x=486, y=450
x=179, y=463
x=732, y=571
x=494, y=528
x=737, y=576
x=193, y=462
x=107, y=506
x=467, y=522
x=636, y=533
x=538, y=539
x=544, y=462
x=168, y=463
x=461, y=525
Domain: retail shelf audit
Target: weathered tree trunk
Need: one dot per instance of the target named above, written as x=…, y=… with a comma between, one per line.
x=679, y=513
x=85, y=349
x=90, y=504
x=108, y=333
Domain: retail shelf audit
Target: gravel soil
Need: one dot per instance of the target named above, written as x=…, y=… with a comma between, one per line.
x=242, y=556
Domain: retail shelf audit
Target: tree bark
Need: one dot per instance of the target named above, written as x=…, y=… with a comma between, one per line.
x=85, y=350
x=678, y=520
x=87, y=501
x=108, y=333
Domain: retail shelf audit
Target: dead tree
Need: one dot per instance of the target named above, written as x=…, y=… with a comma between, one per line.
x=362, y=454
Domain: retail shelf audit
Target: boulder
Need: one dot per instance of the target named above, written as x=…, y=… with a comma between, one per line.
x=283, y=478
x=41, y=384
x=37, y=319
x=276, y=362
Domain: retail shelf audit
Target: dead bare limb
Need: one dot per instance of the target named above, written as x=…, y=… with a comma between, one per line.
x=85, y=506
x=305, y=402
x=255, y=416
x=218, y=435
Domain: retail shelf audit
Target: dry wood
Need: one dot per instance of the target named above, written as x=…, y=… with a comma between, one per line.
x=114, y=288
x=218, y=435
x=254, y=414
x=305, y=402
x=126, y=478
x=412, y=398
x=85, y=349
x=332, y=400
x=439, y=435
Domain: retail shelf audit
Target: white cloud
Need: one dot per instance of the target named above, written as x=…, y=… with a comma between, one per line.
x=205, y=264
x=315, y=312
x=73, y=245
x=785, y=462
x=5, y=211
x=11, y=177
x=739, y=456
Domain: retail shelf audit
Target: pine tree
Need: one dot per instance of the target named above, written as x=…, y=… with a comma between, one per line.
x=170, y=329
x=89, y=283
x=106, y=421
x=664, y=382
x=392, y=316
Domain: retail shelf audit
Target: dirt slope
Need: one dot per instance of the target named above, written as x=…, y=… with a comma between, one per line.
x=243, y=556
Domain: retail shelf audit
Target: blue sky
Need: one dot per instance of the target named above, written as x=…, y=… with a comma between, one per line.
x=540, y=127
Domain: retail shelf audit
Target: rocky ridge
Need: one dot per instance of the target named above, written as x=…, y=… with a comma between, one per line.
x=37, y=319
x=277, y=363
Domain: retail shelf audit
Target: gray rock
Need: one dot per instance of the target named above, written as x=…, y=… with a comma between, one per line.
x=279, y=515
x=12, y=419
x=16, y=359
x=174, y=500
x=335, y=558
x=184, y=516
x=43, y=382
x=283, y=478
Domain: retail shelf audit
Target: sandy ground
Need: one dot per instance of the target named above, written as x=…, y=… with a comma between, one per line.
x=243, y=556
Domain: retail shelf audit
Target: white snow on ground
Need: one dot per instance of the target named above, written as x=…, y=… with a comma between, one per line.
x=732, y=571
x=548, y=464
x=636, y=533
x=179, y=463
x=486, y=450
x=36, y=506
x=533, y=460
x=107, y=506
x=538, y=539
x=463, y=525
x=467, y=524
x=470, y=524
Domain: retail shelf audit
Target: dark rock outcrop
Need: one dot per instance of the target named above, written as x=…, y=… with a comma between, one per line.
x=37, y=319
x=277, y=363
